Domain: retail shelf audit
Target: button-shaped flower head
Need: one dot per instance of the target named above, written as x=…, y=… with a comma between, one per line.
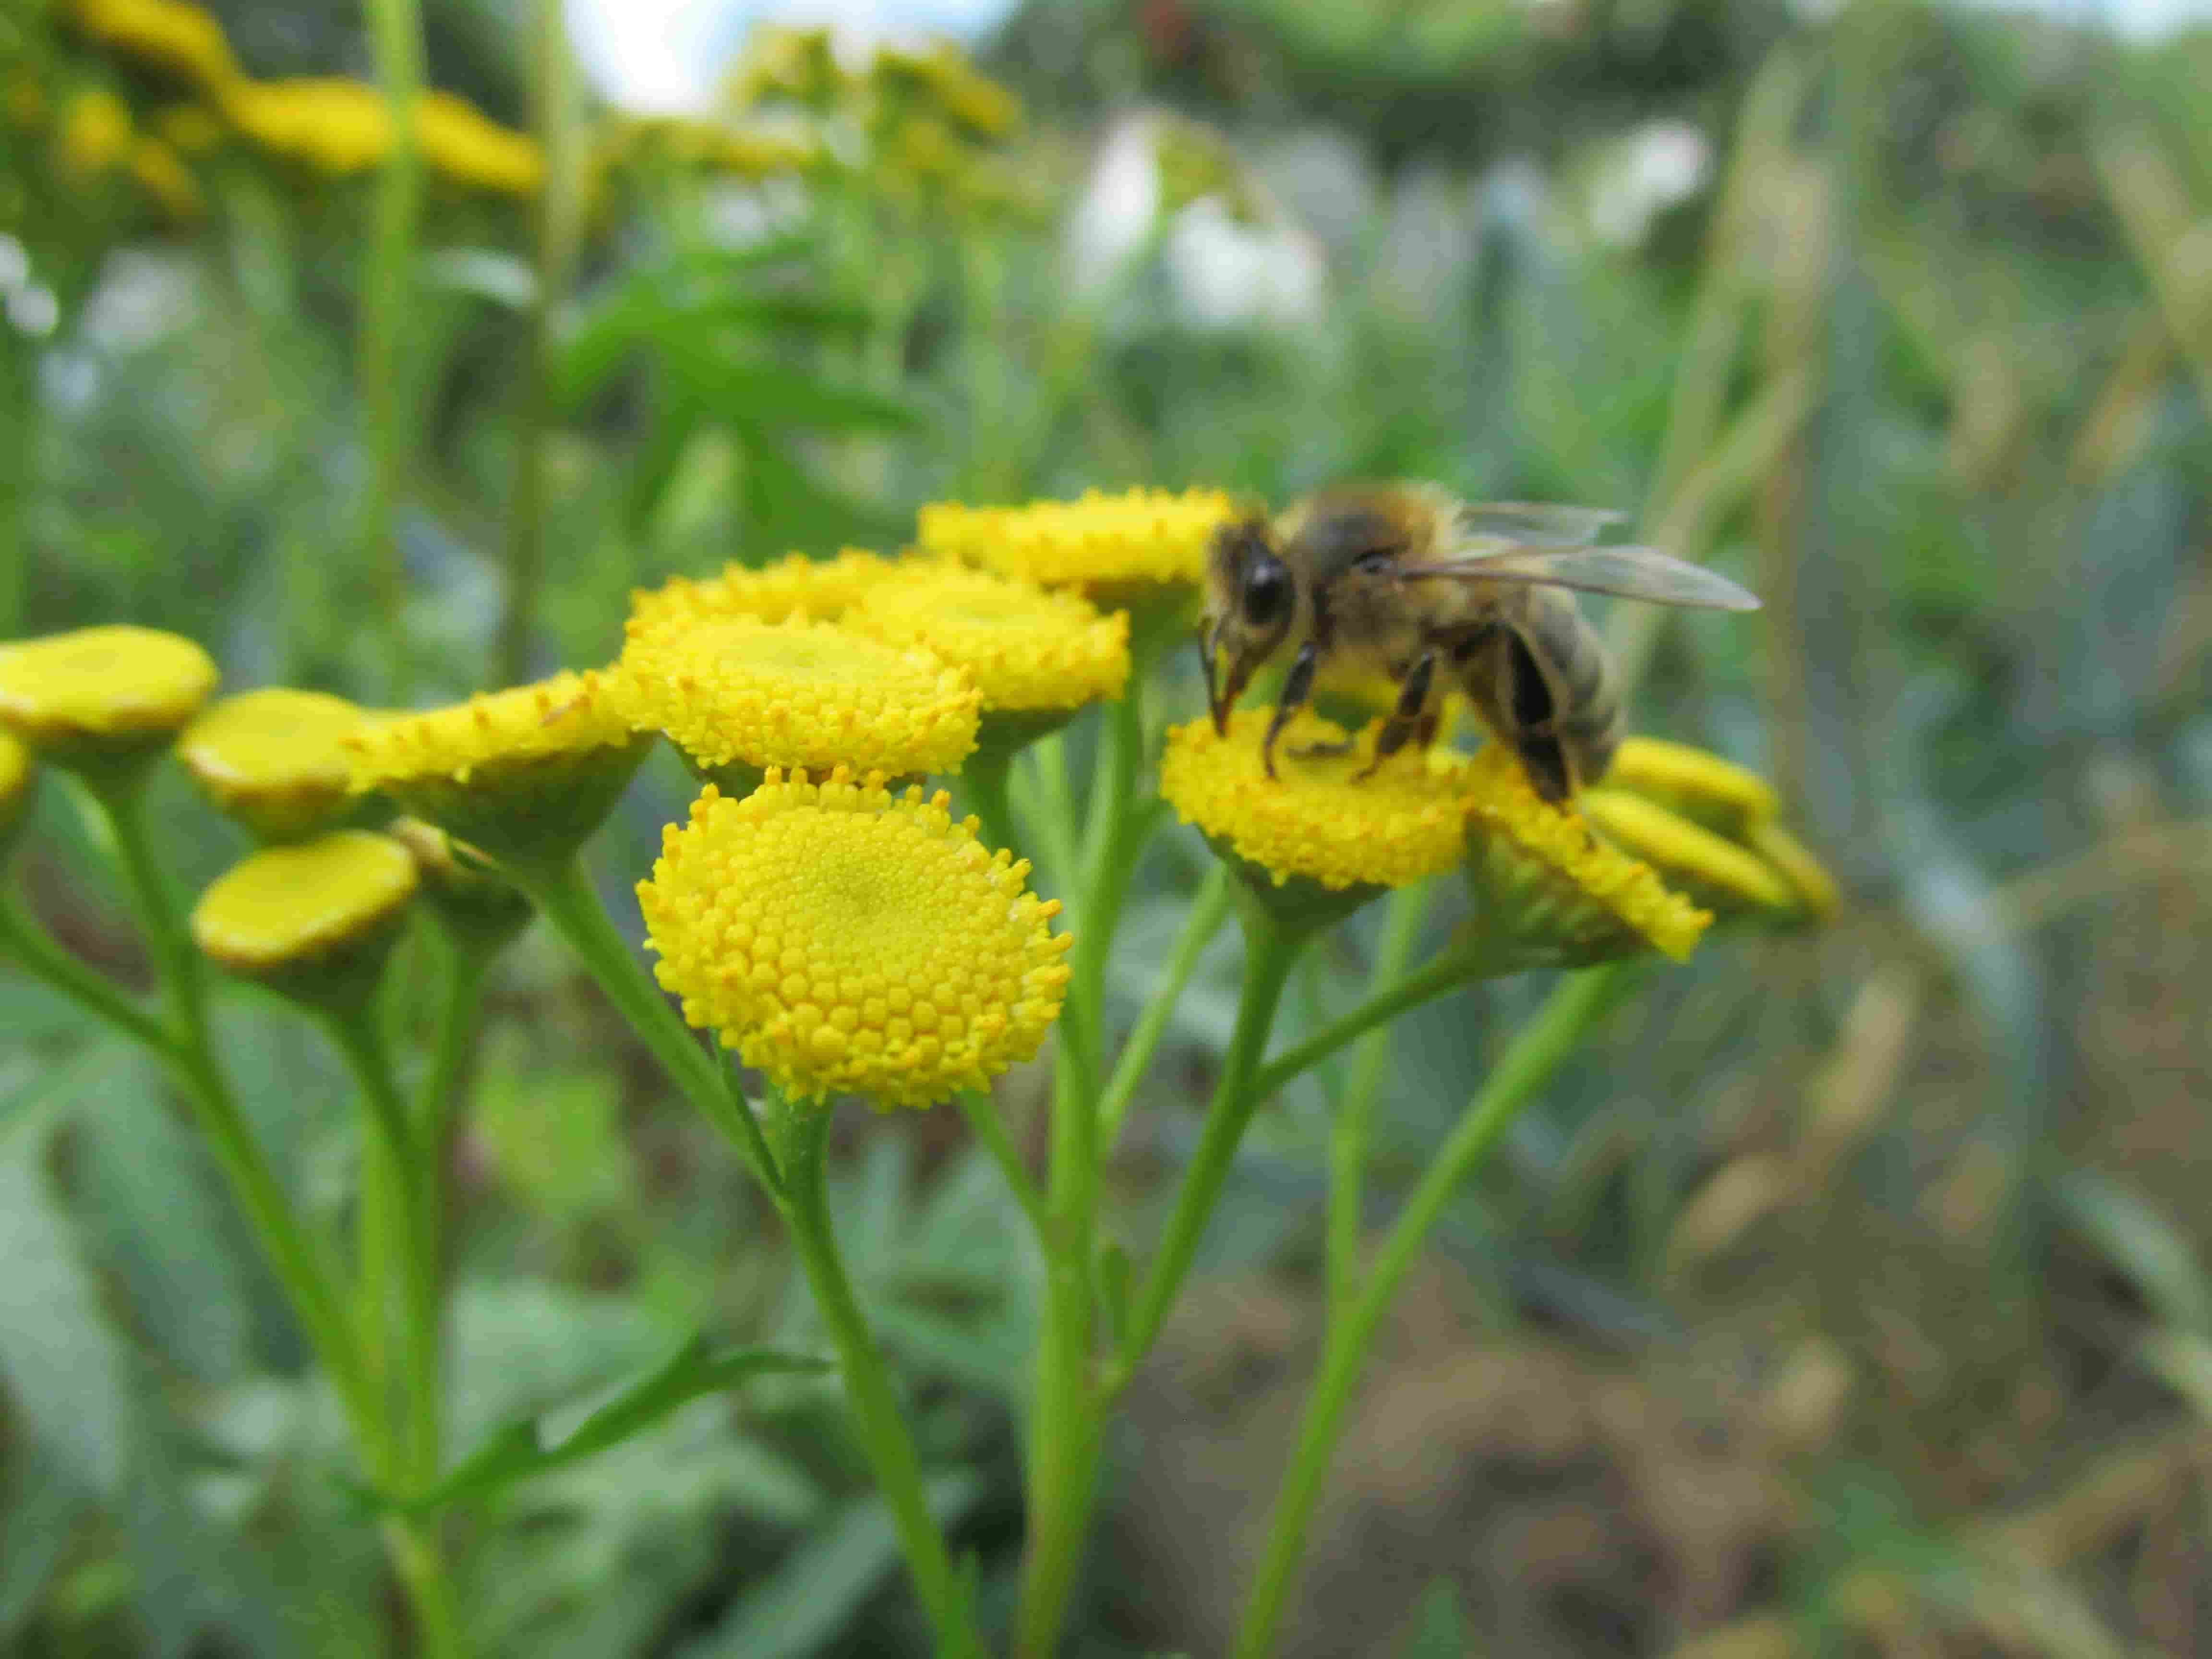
x=1118, y=549
x=810, y=590
x=102, y=695
x=844, y=939
x=1037, y=657
x=738, y=696
x=275, y=759
x=312, y=919
x=1316, y=839
x=528, y=774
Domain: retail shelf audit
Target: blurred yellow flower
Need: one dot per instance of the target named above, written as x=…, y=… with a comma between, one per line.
x=815, y=590
x=1110, y=546
x=342, y=127
x=162, y=174
x=734, y=691
x=19, y=773
x=1544, y=883
x=1033, y=654
x=526, y=773
x=1312, y=821
x=181, y=40
x=1814, y=887
x=845, y=940
x=102, y=692
x=1719, y=873
x=292, y=915
x=1700, y=784
x=275, y=759
x=93, y=138
x=798, y=65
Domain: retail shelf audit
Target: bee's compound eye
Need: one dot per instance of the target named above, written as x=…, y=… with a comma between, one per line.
x=1266, y=591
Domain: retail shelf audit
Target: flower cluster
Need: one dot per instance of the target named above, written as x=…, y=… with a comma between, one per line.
x=1111, y=547
x=843, y=939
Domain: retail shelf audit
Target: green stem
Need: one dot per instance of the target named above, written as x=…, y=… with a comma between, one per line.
x=437, y=1116
x=1207, y=912
x=1535, y=1054
x=1270, y=953
x=119, y=800
x=35, y=951
x=982, y=1117
x=1049, y=761
x=1355, y=1112
x=414, y=1550
x=804, y=1135
x=395, y=29
x=983, y=780
x=1447, y=973
x=392, y=1168
x=555, y=109
x=19, y=414
x=565, y=896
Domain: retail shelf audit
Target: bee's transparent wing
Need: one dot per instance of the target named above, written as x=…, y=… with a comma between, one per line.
x=1627, y=573
x=1534, y=524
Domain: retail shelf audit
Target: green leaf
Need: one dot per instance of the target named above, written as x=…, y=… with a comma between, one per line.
x=1439, y=1627
x=520, y=1450
x=41, y=1508
x=749, y=388
x=2146, y=1246
x=820, y=1585
x=58, y=1354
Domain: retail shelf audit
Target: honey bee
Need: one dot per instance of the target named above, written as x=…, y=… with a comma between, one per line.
x=1439, y=593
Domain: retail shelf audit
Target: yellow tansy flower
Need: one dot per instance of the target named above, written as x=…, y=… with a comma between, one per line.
x=93, y=138
x=101, y=693
x=342, y=127
x=161, y=173
x=180, y=39
x=1544, y=884
x=1110, y=545
x=308, y=916
x=845, y=940
x=19, y=773
x=1312, y=822
x=1717, y=793
x=1721, y=874
x=734, y=692
x=525, y=774
x=810, y=590
x=1037, y=656
x=275, y=759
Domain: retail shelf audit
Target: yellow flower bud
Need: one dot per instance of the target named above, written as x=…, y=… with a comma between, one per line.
x=313, y=919
x=274, y=760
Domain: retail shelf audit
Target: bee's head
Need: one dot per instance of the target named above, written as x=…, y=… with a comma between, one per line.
x=1250, y=598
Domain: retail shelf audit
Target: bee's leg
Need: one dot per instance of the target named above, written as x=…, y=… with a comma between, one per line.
x=1298, y=686
x=1410, y=718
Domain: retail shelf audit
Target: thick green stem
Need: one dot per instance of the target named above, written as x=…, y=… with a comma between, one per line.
x=395, y=28
x=1535, y=1055
x=1270, y=953
x=803, y=1139
x=26, y=944
x=120, y=816
x=554, y=102
x=1056, y=808
x=437, y=1117
x=565, y=896
x=982, y=1116
x=1355, y=1112
x=438, y=1631
x=1207, y=912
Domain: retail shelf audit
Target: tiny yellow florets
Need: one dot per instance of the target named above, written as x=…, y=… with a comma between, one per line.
x=102, y=691
x=1028, y=650
x=793, y=587
x=275, y=759
x=1146, y=537
x=844, y=939
x=566, y=714
x=1719, y=870
x=1513, y=827
x=1403, y=824
x=287, y=908
x=525, y=774
x=734, y=691
x=1713, y=791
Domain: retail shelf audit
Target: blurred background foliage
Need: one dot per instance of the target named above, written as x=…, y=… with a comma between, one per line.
x=1850, y=1295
